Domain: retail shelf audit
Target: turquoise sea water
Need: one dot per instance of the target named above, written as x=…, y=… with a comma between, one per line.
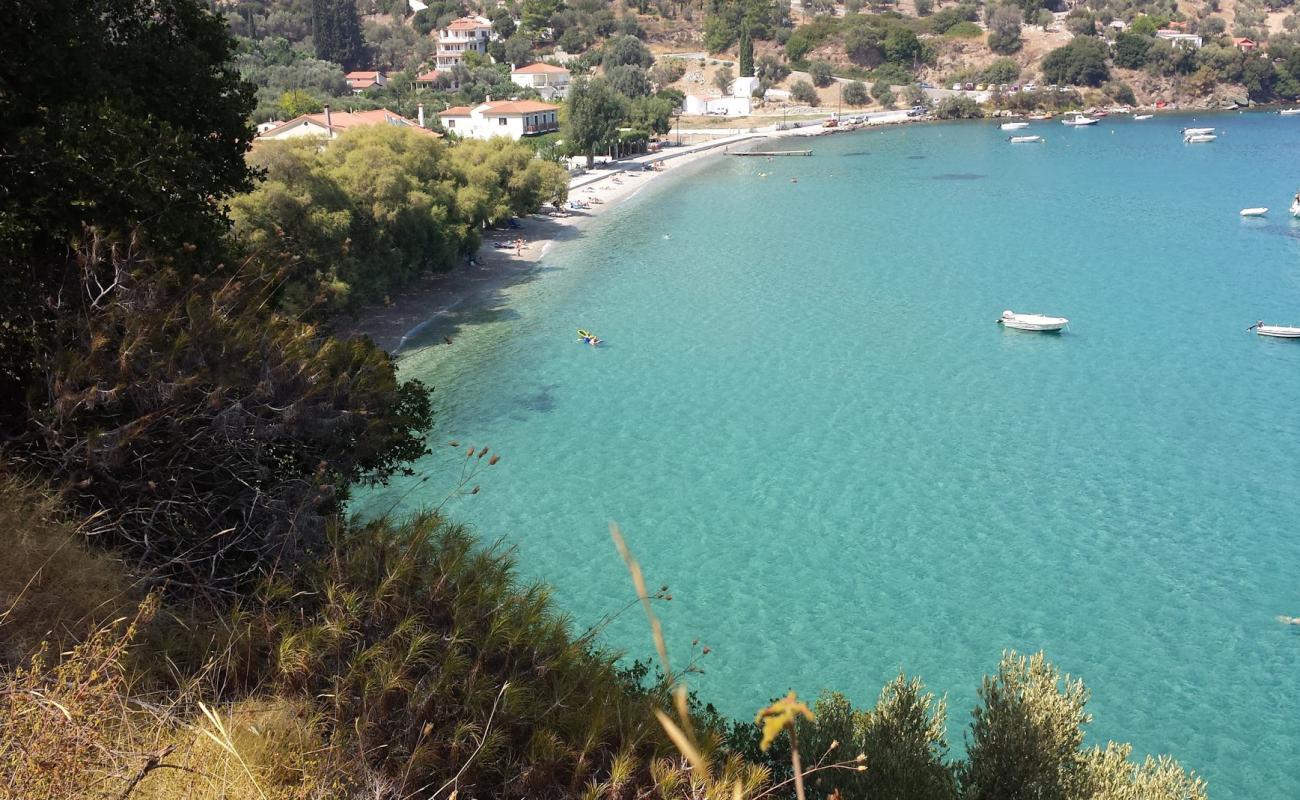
x=810, y=428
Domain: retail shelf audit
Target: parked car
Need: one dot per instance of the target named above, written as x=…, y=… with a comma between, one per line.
x=1031, y=87
x=970, y=87
x=925, y=85
x=956, y=87
x=1002, y=87
x=916, y=111
x=1015, y=87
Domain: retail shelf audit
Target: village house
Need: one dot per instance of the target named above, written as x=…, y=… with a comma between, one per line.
x=1178, y=39
x=461, y=36
x=329, y=124
x=1245, y=45
x=550, y=81
x=512, y=118
x=429, y=80
x=358, y=82
x=738, y=104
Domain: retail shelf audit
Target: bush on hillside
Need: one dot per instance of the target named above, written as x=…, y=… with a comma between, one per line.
x=1131, y=50
x=1082, y=62
x=944, y=20
x=883, y=94
x=1004, y=30
x=963, y=30
x=1003, y=70
x=822, y=73
x=855, y=93
x=802, y=91
x=958, y=107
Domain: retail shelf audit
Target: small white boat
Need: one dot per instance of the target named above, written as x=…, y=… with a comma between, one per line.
x=1024, y=139
x=1197, y=131
x=1289, y=112
x=1032, y=322
x=1199, y=138
x=1143, y=116
x=1254, y=212
x=1014, y=126
x=1079, y=120
x=1295, y=206
x=1276, y=331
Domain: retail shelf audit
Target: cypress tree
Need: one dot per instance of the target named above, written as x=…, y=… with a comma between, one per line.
x=746, y=54
x=336, y=33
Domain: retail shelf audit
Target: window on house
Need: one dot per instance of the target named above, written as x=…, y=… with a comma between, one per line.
x=451, y=123
x=501, y=120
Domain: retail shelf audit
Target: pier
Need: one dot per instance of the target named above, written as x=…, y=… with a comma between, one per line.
x=775, y=153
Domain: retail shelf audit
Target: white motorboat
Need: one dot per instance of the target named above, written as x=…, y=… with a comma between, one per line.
x=1024, y=139
x=1142, y=116
x=1276, y=331
x=1032, y=322
x=1197, y=131
x=1295, y=206
x=1014, y=126
x=1254, y=212
x=1079, y=120
x=1199, y=138
x=1289, y=112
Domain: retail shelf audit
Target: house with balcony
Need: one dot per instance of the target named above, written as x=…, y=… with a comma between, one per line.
x=549, y=80
x=1179, y=39
x=461, y=36
x=511, y=118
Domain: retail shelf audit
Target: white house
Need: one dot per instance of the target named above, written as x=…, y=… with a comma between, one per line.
x=1118, y=25
x=459, y=37
x=329, y=124
x=739, y=104
x=549, y=80
x=512, y=118
x=358, y=82
x=1178, y=39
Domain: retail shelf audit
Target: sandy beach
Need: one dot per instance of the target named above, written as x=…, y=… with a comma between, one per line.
x=508, y=255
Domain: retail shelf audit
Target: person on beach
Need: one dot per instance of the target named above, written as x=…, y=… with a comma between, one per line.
x=519, y=247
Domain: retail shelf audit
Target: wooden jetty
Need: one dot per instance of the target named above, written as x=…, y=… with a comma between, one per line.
x=775, y=153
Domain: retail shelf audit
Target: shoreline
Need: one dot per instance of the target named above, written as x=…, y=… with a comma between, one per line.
x=439, y=297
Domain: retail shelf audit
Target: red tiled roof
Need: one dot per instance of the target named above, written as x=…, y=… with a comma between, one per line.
x=456, y=111
x=361, y=75
x=535, y=69
x=518, y=107
x=343, y=120
x=468, y=24
x=431, y=75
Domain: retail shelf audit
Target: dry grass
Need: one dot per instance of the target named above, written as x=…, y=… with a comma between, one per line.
x=51, y=588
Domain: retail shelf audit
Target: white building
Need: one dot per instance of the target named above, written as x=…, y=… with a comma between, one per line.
x=739, y=104
x=459, y=37
x=1178, y=39
x=512, y=118
x=329, y=124
x=549, y=80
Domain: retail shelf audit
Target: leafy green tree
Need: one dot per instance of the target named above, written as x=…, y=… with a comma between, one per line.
x=666, y=71
x=948, y=17
x=801, y=91
x=863, y=46
x=596, y=110
x=503, y=25
x=652, y=114
x=855, y=93
x=622, y=50
x=924, y=7
x=822, y=73
x=537, y=13
x=1004, y=30
x=1120, y=92
x=770, y=70
x=518, y=50
x=1002, y=70
x=1144, y=25
x=797, y=46
x=902, y=47
x=295, y=102
x=746, y=55
x=1082, y=62
x=1131, y=50
x=883, y=94
x=112, y=113
x=336, y=33
x=629, y=80
x=904, y=740
x=575, y=40
x=1027, y=734
x=958, y=107
x=916, y=97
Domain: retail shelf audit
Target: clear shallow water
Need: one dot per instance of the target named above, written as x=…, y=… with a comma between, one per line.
x=809, y=426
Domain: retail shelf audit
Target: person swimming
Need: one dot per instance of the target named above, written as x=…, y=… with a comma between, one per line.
x=1285, y=620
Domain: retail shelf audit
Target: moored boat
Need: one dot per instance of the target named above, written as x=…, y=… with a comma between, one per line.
x=1276, y=331
x=1142, y=116
x=1014, y=126
x=1199, y=138
x=1024, y=139
x=1039, y=117
x=1289, y=112
x=1254, y=212
x=1079, y=120
x=1032, y=322
x=1295, y=206
x=1197, y=131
